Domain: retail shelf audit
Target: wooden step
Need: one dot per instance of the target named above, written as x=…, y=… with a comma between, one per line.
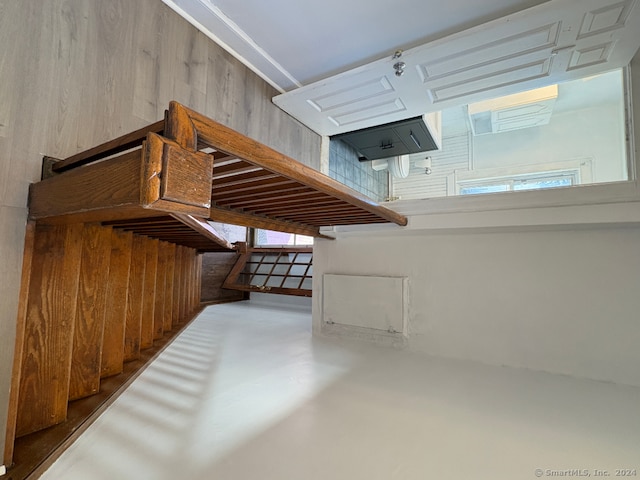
x=161, y=280
x=90, y=311
x=168, y=290
x=48, y=332
x=113, y=343
x=135, y=299
x=149, y=292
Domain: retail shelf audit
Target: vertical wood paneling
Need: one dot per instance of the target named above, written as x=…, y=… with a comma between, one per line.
x=168, y=290
x=186, y=279
x=135, y=299
x=190, y=77
x=149, y=293
x=186, y=284
x=199, y=280
x=151, y=53
x=19, y=344
x=107, y=90
x=46, y=358
x=90, y=312
x=215, y=268
x=116, y=313
x=195, y=285
x=161, y=276
x=177, y=286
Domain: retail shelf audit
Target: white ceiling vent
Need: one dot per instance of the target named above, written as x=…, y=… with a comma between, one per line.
x=513, y=112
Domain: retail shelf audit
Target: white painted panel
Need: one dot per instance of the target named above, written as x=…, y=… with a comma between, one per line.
x=354, y=94
x=481, y=55
x=557, y=41
x=605, y=19
x=364, y=301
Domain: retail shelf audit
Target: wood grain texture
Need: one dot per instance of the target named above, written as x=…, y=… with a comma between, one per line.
x=177, y=285
x=149, y=293
x=248, y=220
x=96, y=187
x=52, y=301
x=90, y=312
x=125, y=142
x=215, y=268
x=135, y=299
x=168, y=290
x=191, y=270
x=199, y=280
x=186, y=177
x=79, y=78
x=161, y=282
x=216, y=135
x=18, y=350
x=116, y=313
x=203, y=227
x=159, y=176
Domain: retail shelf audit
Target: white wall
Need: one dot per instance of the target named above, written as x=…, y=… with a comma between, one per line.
x=591, y=132
x=555, y=289
x=562, y=301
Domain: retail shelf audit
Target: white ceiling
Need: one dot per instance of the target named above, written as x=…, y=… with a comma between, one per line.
x=291, y=43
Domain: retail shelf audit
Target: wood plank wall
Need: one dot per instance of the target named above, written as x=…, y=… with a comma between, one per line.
x=87, y=71
x=92, y=293
x=215, y=268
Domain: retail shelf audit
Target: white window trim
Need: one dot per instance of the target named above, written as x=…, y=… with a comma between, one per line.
x=582, y=166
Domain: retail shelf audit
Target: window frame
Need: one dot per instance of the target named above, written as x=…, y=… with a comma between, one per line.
x=256, y=244
x=580, y=168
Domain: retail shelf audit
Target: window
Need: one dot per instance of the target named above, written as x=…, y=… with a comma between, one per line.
x=284, y=270
x=272, y=238
x=525, y=141
x=231, y=233
x=520, y=178
x=519, y=183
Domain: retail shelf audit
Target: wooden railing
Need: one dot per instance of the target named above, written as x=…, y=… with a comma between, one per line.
x=282, y=270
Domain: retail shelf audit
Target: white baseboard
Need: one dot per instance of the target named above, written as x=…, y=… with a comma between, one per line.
x=3, y=470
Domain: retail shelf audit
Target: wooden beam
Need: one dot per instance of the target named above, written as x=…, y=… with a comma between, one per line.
x=221, y=137
x=261, y=194
x=202, y=227
x=244, y=178
x=115, y=183
x=160, y=177
x=120, y=144
x=239, y=166
x=308, y=205
x=268, y=184
x=248, y=220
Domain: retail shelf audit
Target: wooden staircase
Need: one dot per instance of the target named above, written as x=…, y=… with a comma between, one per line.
x=113, y=267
